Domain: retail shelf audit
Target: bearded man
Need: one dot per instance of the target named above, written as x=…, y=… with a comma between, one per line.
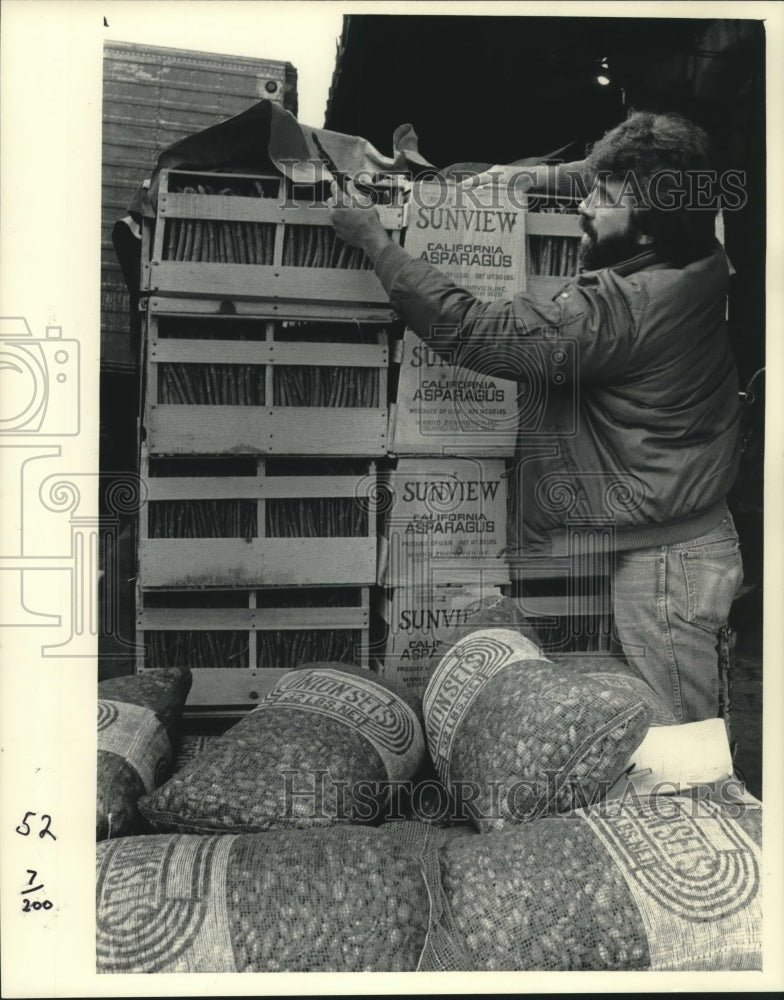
x=658, y=394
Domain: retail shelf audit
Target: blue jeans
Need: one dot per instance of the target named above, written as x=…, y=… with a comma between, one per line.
x=669, y=604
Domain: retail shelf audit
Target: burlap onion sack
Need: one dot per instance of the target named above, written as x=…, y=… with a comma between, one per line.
x=343, y=899
x=663, y=884
x=515, y=737
x=319, y=749
x=138, y=718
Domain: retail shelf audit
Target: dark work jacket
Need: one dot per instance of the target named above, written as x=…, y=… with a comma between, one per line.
x=628, y=395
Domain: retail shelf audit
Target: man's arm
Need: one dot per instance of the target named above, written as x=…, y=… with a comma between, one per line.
x=488, y=337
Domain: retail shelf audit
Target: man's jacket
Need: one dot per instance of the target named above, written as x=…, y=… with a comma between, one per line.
x=628, y=402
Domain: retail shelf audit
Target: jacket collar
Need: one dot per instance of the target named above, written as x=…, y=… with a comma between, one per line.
x=646, y=259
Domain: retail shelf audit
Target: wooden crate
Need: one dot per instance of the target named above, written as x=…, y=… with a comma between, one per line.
x=271, y=241
x=248, y=522
x=269, y=393
x=237, y=653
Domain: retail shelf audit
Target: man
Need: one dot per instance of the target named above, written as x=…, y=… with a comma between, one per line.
x=656, y=444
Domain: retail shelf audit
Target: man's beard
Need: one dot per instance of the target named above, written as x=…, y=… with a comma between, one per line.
x=596, y=254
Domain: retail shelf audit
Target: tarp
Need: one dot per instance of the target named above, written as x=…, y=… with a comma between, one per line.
x=265, y=139
x=268, y=139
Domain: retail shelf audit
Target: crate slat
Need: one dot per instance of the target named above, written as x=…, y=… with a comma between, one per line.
x=234, y=562
x=267, y=282
x=268, y=353
x=237, y=208
x=296, y=310
x=250, y=488
x=287, y=430
x=250, y=619
x=230, y=691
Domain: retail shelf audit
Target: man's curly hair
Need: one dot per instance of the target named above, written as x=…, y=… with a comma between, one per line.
x=660, y=157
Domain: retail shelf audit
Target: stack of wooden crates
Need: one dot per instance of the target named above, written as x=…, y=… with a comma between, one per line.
x=264, y=413
x=272, y=451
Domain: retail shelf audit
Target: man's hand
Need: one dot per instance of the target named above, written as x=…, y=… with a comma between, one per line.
x=356, y=222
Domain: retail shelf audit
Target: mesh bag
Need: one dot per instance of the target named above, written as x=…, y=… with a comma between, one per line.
x=189, y=748
x=425, y=799
x=615, y=671
x=343, y=899
x=138, y=716
x=515, y=737
x=163, y=691
x=319, y=749
x=662, y=884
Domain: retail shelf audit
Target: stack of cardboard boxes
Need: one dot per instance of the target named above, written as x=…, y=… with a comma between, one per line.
x=453, y=434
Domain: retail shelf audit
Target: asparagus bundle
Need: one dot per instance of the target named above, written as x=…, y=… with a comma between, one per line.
x=331, y=517
x=555, y=256
x=325, y=385
x=211, y=384
x=318, y=246
x=219, y=242
x=287, y=648
x=202, y=519
x=184, y=649
x=334, y=517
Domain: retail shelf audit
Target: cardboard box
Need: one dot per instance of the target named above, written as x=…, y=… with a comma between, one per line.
x=444, y=522
x=480, y=243
x=476, y=237
x=414, y=626
x=442, y=409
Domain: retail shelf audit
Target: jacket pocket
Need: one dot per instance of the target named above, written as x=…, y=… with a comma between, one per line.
x=713, y=578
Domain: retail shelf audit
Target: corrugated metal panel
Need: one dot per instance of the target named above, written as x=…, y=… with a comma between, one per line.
x=154, y=96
